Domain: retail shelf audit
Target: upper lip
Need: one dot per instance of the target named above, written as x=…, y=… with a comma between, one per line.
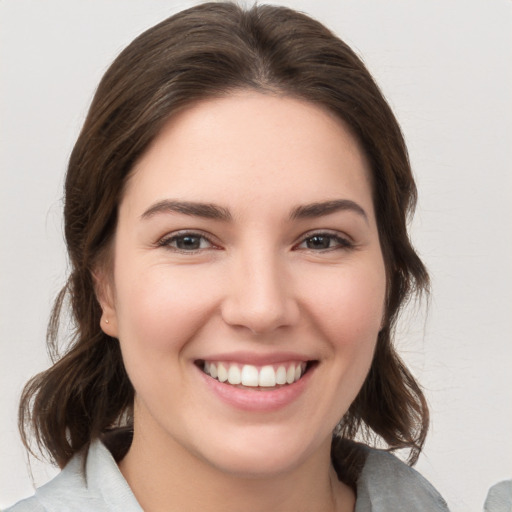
x=256, y=359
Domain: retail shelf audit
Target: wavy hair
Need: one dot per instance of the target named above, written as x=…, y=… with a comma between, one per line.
x=209, y=51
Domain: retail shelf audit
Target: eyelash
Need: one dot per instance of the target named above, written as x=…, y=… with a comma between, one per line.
x=167, y=241
x=341, y=243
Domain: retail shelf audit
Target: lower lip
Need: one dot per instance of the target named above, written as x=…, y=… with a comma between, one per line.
x=256, y=400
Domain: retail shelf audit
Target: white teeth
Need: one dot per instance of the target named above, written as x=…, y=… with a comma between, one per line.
x=222, y=373
x=267, y=377
x=290, y=374
x=249, y=375
x=281, y=375
x=234, y=376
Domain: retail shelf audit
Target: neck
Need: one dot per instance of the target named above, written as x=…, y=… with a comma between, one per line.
x=166, y=476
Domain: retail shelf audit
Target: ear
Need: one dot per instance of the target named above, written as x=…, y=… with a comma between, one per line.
x=104, y=289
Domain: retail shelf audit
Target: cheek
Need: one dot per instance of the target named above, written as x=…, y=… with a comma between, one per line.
x=349, y=305
x=158, y=312
x=346, y=306
x=160, y=309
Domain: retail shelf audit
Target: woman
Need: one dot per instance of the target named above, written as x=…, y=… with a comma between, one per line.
x=235, y=216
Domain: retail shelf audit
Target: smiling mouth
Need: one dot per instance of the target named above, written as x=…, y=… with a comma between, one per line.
x=265, y=377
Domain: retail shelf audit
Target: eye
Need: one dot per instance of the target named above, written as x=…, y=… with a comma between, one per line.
x=324, y=242
x=186, y=242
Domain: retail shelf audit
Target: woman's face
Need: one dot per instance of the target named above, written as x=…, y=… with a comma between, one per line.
x=246, y=249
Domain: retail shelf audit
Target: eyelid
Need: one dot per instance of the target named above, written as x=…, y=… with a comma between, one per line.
x=344, y=240
x=166, y=240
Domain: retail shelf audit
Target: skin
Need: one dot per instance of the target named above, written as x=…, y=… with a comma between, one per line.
x=258, y=284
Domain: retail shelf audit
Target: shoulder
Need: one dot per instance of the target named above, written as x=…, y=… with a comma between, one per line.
x=100, y=488
x=386, y=483
x=68, y=487
x=28, y=505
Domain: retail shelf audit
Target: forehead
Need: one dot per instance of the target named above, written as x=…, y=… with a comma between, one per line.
x=253, y=146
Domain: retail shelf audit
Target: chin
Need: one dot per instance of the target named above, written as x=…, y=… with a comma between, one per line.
x=262, y=454
x=257, y=466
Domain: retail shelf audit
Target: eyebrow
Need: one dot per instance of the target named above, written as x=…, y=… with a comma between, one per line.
x=312, y=210
x=205, y=210
x=213, y=211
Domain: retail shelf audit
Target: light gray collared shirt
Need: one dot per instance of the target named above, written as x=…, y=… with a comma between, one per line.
x=386, y=484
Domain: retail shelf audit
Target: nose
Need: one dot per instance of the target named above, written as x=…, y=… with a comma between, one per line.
x=260, y=295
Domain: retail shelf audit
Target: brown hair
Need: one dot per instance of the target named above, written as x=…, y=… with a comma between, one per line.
x=210, y=50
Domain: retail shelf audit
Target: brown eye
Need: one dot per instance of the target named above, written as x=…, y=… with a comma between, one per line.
x=186, y=242
x=324, y=242
x=319, y=242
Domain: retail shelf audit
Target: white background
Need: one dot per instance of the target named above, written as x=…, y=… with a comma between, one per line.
x=446, y=68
